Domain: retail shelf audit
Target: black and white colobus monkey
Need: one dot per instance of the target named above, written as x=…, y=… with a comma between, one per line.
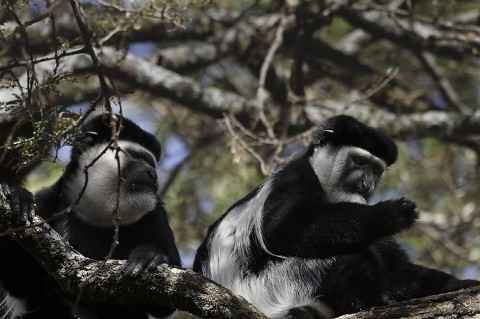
x=145, y=238
x=305, y=243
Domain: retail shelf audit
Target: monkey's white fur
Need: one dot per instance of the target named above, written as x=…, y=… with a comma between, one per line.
x=328, y=163
x=99, y=200
x=275, y=289
x=290, y=282
x=12, y=306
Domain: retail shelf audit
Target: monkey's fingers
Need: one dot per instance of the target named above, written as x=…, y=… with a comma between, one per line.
x=133, y=269
x=16, y=207
x=32, y=211
x=26, y=203
x=157, y=261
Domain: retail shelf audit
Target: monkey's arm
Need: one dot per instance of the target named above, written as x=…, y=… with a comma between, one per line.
x=415, y=281
x=310, y=228
x=151, y=243
x=49, y=200
x=20, y=274
x=157, y=248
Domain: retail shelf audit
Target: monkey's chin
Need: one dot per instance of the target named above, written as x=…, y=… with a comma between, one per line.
x=362, y=200
x=338, y=197
x=134, y=206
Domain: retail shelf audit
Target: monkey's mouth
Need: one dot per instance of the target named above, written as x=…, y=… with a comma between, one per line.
x=137, y=187
x=365, y=192
x=141, y=185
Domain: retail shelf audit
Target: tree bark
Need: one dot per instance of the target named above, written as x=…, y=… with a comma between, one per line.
x=458, y=304
x=92, y=281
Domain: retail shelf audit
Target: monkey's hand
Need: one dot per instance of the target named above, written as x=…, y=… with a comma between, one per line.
x=456, y=284
x=397, y=214
x=22, y=202
x=144, y=258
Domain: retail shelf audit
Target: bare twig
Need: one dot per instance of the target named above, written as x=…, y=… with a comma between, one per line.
x=42, y=59
x=244, y=145
x=261, y=92
x=250, y=140
x=87, y=38
x=27, y=52
x=442, y=83
x=388, y=76
x=9, y=140
x=268, y=141
x=46, y=13
x=193, y=151
x=54, y=38
x=439, y=237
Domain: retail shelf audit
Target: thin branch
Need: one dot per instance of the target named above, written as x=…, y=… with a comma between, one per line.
x=9, y=140
x=193, y=151
x=54, y=37
x=419, y=36
x=261, y=92
x=442, y=83
x=268, y=141
x=27, y=52
x=46, y=13
x=87, y=36
x=388, y=76
x=244, y=145
x=42, y=59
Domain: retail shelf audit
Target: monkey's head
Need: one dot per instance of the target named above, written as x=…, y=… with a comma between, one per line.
x=349, y=158
x=112, y=176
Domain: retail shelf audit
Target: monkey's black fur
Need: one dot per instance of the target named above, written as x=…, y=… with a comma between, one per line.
x=314, y=252
x=343, y=130
x=145, y=243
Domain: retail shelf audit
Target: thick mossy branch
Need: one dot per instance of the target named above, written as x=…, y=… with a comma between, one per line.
x=104, y=282
x=458, y=304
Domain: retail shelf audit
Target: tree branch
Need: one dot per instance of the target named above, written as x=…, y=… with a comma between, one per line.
x=458, y=304
x=179, y=288
x=420, y=36
x=184, y=289
x=141, y=74
x=87, y=39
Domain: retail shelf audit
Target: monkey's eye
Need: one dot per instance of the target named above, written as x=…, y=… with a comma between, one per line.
x=141, y=156
x=90, y=137
x=378, y=170
x=359, y=160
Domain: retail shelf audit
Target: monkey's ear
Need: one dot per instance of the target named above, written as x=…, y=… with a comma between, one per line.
x=345, y=130
x=319, y=138
x=326, y=136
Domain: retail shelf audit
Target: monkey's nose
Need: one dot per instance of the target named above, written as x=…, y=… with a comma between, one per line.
x=142, y=179
x=365, y=188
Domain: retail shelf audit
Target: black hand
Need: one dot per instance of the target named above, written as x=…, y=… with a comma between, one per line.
x=399, y=214
x=144, y=258
x=22, y=202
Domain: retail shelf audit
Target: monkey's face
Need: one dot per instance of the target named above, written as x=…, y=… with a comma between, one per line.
x=347, y=173
x=362, y=173
x=112, y=181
